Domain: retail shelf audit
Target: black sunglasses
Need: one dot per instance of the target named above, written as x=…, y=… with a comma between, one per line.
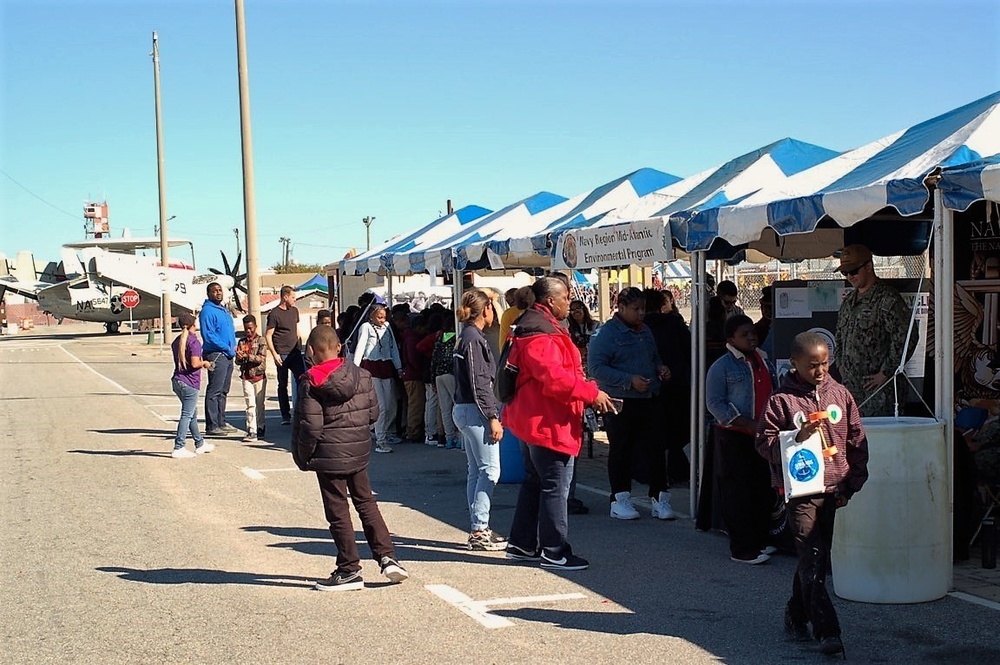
x=853, y=273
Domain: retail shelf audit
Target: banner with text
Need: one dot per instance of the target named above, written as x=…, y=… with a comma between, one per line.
x=641, y=242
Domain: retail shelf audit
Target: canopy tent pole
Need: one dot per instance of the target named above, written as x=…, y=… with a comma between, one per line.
x=944, y=337
x=698, y=271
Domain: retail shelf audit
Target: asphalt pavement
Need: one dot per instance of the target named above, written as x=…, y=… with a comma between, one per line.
x=113, y=552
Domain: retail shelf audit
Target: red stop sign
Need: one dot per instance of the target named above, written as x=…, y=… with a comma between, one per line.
x=130, y=298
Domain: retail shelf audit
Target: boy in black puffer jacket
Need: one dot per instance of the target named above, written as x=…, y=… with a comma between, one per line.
x=331, y=435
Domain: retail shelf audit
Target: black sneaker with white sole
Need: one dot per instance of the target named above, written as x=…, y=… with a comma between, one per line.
x=563, y=561
x=391, y=569
x=515, y=553
x=342, y=582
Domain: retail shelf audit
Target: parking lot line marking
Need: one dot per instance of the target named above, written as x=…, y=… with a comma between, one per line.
x=480, y=609
x=976, y=600
x=468, y=606
x=253, y=474
x=123, y=390
x=528, y=600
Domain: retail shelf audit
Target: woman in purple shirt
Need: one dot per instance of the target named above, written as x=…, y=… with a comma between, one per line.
x=186, y=382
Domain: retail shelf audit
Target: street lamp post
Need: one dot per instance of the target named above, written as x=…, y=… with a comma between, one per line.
x=368, y=232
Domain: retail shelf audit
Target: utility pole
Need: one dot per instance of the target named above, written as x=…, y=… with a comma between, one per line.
x=284, y=254
x=367, y=221
x=236, y=232
x=165, y=284
x=249, y=203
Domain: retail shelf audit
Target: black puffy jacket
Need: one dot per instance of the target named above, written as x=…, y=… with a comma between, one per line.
x=333, y=416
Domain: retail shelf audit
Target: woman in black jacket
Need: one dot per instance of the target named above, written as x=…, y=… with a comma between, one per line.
x=477, y=416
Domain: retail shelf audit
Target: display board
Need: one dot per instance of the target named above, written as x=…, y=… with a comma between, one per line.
x=812, y=306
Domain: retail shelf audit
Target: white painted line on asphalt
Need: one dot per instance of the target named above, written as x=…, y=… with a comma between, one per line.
x=975, y=600
x=467, y=606
x=480, y=609
x=253, y=474
x=152, y=409
x=123, y=390
x=528, y=600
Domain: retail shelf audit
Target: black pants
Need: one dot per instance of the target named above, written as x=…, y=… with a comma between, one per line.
x=335, y=492
x=636, y=427
x=675, y=401
x=811, y=520
x=540, y=518
x=747, y=496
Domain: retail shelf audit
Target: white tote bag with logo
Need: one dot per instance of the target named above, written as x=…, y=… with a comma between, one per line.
x=801, y=464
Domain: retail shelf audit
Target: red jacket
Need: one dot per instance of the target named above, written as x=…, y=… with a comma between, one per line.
x=547, y=409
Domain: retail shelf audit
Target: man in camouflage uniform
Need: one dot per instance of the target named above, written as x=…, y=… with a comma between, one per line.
x=871, y=333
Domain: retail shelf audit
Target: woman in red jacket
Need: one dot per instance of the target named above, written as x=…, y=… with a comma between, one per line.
x=546, y=414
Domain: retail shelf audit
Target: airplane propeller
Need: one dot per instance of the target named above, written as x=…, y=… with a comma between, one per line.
x=239, y=279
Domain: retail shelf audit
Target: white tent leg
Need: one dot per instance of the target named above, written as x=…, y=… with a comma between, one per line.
x=698, y=304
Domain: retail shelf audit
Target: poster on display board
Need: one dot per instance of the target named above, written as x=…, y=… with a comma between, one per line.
x=977, y=318
x=641, y=242
x=812, y=306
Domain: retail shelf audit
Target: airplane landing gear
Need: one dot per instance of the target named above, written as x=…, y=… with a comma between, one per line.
x=112, y=327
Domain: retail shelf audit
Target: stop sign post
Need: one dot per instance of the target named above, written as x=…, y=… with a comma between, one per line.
x=130, y=299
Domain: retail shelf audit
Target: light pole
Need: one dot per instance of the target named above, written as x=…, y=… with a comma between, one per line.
x=284, y=256
x=368, y=232
x=246, y=145
x=236, y=232
x=161, y=181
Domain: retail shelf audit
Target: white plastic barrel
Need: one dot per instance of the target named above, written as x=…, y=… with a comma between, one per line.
x=891, y=543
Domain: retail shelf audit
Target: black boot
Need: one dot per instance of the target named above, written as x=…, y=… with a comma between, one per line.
x=832, y=646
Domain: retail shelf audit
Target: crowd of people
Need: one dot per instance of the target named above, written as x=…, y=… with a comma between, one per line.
x=385, y=377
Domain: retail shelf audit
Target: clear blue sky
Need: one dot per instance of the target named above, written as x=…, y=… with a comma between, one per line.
x=391, y=108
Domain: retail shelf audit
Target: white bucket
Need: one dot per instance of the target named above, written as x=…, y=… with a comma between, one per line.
x=891, y=544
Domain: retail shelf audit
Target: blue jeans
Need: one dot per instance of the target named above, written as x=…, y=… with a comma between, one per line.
x=189, y=414
x=540, y=516
x=219, y=381
x=284, y=404
x=484, y=463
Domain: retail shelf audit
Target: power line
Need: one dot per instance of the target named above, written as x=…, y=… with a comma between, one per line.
x=51, y=205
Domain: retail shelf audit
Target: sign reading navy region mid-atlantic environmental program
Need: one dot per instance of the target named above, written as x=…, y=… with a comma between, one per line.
x=641, y=242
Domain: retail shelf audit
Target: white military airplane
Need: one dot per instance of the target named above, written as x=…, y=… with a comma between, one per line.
x=89, y=282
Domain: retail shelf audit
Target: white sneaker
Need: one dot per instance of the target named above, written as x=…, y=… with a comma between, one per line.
x=204, y=448
x=182, y=453
x=430, y=441
x=383, y=448
x=622, y=508
x=661, y=507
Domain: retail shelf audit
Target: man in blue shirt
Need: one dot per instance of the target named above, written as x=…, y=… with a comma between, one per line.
x=218, y=346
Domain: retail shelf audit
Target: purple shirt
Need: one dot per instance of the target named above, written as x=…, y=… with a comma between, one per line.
x=189, y=375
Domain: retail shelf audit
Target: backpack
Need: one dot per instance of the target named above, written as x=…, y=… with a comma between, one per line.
x=441, y=356
x=505, y=384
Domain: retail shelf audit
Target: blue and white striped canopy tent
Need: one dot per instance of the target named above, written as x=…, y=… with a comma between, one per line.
x=374, y=260
x=963, y=185
x=673, y=270
x=437, y=251
x=726, y=184
x=852, y=187
x=517, y=245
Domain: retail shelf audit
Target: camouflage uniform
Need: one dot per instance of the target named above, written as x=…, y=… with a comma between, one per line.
x=871, y=332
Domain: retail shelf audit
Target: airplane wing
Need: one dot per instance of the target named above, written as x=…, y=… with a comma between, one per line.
x=22, y=288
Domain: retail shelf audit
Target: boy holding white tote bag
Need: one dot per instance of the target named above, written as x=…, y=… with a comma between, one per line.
x=811, y=434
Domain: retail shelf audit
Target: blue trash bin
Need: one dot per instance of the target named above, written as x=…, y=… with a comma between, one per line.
x=511, y=461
